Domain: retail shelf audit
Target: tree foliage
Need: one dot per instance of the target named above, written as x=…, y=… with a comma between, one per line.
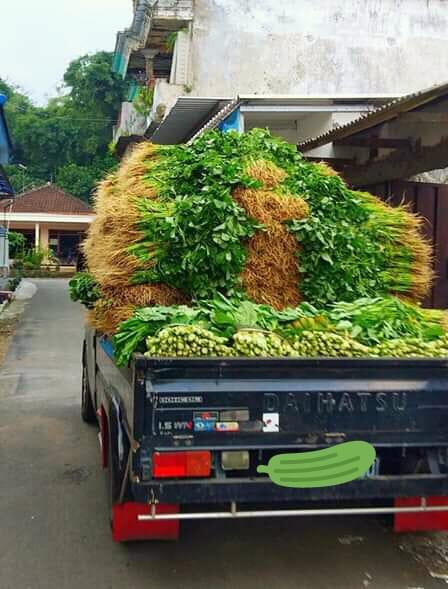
x=67, y=140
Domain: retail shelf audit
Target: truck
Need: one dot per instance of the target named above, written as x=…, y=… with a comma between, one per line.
x=181, y=438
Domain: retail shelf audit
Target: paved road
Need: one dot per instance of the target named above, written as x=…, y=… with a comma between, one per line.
x=53, y=521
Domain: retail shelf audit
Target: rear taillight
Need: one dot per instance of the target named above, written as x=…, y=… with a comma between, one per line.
x=170, y=465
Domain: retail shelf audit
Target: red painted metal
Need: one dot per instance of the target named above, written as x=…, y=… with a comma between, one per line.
x=103, y=437
x=420, y=522
x=126, y=527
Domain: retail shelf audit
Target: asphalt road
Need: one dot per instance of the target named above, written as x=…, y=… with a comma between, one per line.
x=54, y=532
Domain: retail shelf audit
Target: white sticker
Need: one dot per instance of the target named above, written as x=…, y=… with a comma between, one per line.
x=271, y=422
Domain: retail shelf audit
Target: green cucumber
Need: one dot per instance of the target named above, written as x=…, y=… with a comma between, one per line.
x=323, y=468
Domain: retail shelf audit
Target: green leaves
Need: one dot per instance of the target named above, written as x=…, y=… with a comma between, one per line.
x=372, y=321
x=147, y=322
x=68, y=139
x=85, y=289
x=344, y=329
x=343, y=254
x=197, y=230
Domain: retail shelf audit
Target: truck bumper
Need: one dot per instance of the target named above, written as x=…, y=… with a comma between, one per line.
x=208, y=491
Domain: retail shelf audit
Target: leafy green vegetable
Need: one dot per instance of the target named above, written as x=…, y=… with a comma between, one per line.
x=84, y=288
x=371, y=321
x=195, y=235
x=147, y=322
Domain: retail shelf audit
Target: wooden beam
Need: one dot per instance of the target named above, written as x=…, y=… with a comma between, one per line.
x=435, y=118
x=399, y=165
x=332, y=161
x=373, y=142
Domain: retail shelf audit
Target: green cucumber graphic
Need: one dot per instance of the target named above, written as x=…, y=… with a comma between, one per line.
x=323, y=468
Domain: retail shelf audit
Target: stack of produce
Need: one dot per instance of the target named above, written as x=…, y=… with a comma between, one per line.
x=245, y=223
x=326, y=344
x=187, y=341
x=247, y=329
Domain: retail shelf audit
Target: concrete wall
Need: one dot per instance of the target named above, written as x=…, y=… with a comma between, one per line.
x=311, y=47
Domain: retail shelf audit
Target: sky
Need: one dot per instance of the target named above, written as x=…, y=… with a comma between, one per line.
x=39, y=38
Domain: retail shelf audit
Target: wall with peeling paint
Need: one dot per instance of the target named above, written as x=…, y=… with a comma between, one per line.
x=307, y=47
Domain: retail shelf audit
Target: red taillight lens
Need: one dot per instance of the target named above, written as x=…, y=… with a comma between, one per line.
x=181, y=464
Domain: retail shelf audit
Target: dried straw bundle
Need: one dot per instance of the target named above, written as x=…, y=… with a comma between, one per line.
x=271, y=274
x=266, y=172
x=106, y=317
x=115, y=227
x=119, y=304
x=145, y=295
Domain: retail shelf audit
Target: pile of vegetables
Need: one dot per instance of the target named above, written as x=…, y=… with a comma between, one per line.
x=235, y=245
x=260, y=344
x=187, y=341
x=374, y=320
x=380, y=327
x=310, y=344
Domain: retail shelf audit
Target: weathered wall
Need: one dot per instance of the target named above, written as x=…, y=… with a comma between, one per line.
x=312, y=47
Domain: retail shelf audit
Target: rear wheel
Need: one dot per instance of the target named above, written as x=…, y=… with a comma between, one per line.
x=87, y=409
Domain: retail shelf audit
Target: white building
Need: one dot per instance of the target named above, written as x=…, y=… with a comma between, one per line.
x=337, y=49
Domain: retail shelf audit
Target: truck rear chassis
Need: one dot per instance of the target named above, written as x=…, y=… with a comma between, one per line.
x=399, y=406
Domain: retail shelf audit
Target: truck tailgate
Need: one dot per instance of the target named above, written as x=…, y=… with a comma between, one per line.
x=295, y=402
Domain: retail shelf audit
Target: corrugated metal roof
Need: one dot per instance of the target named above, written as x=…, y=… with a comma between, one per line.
x=382, y=114
x=186, y=116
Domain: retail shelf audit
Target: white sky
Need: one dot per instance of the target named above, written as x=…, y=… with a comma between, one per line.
x=38, y=38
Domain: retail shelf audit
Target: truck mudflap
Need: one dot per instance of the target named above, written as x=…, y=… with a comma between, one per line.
x=129, y=523
x=433, y=518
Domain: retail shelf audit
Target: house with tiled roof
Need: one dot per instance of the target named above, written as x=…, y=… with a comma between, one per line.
x=50, y=219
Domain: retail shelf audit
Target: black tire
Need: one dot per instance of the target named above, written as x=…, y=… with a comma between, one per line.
x=88, y=413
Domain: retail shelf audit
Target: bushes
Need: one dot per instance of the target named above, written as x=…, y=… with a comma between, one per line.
x=16, y=244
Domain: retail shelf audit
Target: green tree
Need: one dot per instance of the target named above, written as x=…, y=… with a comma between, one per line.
x=93, y=86
x=67, y=141
x=79, y=180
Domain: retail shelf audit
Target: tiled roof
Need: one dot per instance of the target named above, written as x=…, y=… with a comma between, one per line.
x=380, y=115
x=50, y=199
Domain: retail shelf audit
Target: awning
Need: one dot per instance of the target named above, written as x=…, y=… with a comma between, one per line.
x=403, y=138
x=187, y=116
x=387, y=112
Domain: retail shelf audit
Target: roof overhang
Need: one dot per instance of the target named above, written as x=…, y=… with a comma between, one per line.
x=405, y=137
x=134, y=38
x=49, y=218
x=192, y=116
x=382, y=114
x=186, y=117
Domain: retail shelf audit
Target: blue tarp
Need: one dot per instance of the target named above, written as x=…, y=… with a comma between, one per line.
x=5, y=140
x=231, y=123
x=5, y=151
x=5, y=186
